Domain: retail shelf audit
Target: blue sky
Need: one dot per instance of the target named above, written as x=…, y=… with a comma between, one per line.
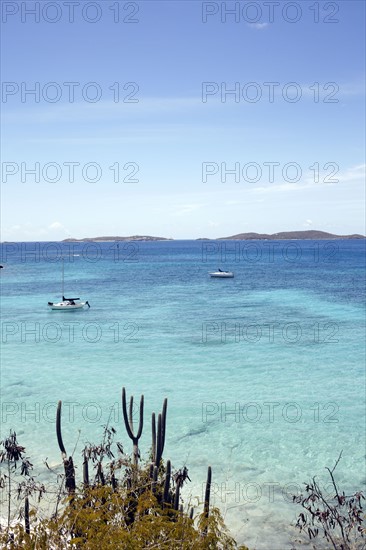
x=169, y=133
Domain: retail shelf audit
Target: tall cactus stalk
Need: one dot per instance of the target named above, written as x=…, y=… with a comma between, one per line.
x=154, y=479
x=158, y=435
x=159, y=442
x=207, y=497
x=114, y=481
x=163, y=424
x=26, y=515
x=86, y=471
x=153, y=433
x=68, y=462
x=208, y=491
x=176, y=496
x=129, y=423
x=166, y=493
x=58, y=430
x=100, y=473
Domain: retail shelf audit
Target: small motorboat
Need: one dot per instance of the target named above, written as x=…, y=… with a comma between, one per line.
x=220, y=274
x=68, y=304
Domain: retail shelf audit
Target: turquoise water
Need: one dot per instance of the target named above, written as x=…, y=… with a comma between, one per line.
x=264, y=373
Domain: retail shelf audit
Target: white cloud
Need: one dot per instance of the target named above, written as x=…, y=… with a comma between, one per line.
x=33, y=232
x=258, y=26
x=278, y=188
x=105, y=110
x=331, y=176
x=56, y=225
x=232, y=202
x=186, y=209
x=354, y=173
x=353, y=88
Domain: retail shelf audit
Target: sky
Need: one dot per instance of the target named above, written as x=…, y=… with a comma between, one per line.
x=181, y=119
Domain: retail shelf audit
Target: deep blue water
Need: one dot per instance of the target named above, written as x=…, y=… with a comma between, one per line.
x=264, y=373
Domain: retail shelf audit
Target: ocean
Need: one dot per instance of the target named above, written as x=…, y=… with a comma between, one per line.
x=264, y=373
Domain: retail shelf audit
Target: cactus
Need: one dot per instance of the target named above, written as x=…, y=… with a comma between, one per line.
x=114, y=481
x=159, y=442
x=68, y=463
x=207, y=497
x=100, y=473
x=158, y=436
x=162, y=489
x=129, y=423
x=208, y=491
x=154, y=479
x=58, y=430
x=166, y=493
x=86, y=471
x=26, y=515
x=176, y=496
x=163, y=424
x=153, y=433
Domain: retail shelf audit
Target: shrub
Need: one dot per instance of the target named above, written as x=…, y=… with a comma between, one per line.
x=125, y=504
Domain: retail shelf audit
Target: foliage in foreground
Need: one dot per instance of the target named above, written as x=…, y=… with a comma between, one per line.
x=339, y=518
x=121, y=504
x=97, y=520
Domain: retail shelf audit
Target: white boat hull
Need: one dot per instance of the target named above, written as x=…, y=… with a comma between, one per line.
x=66, y=306
x=222, y=274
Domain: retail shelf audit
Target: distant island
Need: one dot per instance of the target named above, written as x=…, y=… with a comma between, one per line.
x=284, y=235
x=288, y=235
x=132, y=238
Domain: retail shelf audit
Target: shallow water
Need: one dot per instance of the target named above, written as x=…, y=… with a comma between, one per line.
x=264, y=373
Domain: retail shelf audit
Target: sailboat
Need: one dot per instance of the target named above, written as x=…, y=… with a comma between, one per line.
x=67, y=304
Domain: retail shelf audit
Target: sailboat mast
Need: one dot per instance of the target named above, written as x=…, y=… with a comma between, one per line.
x=63, y=279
